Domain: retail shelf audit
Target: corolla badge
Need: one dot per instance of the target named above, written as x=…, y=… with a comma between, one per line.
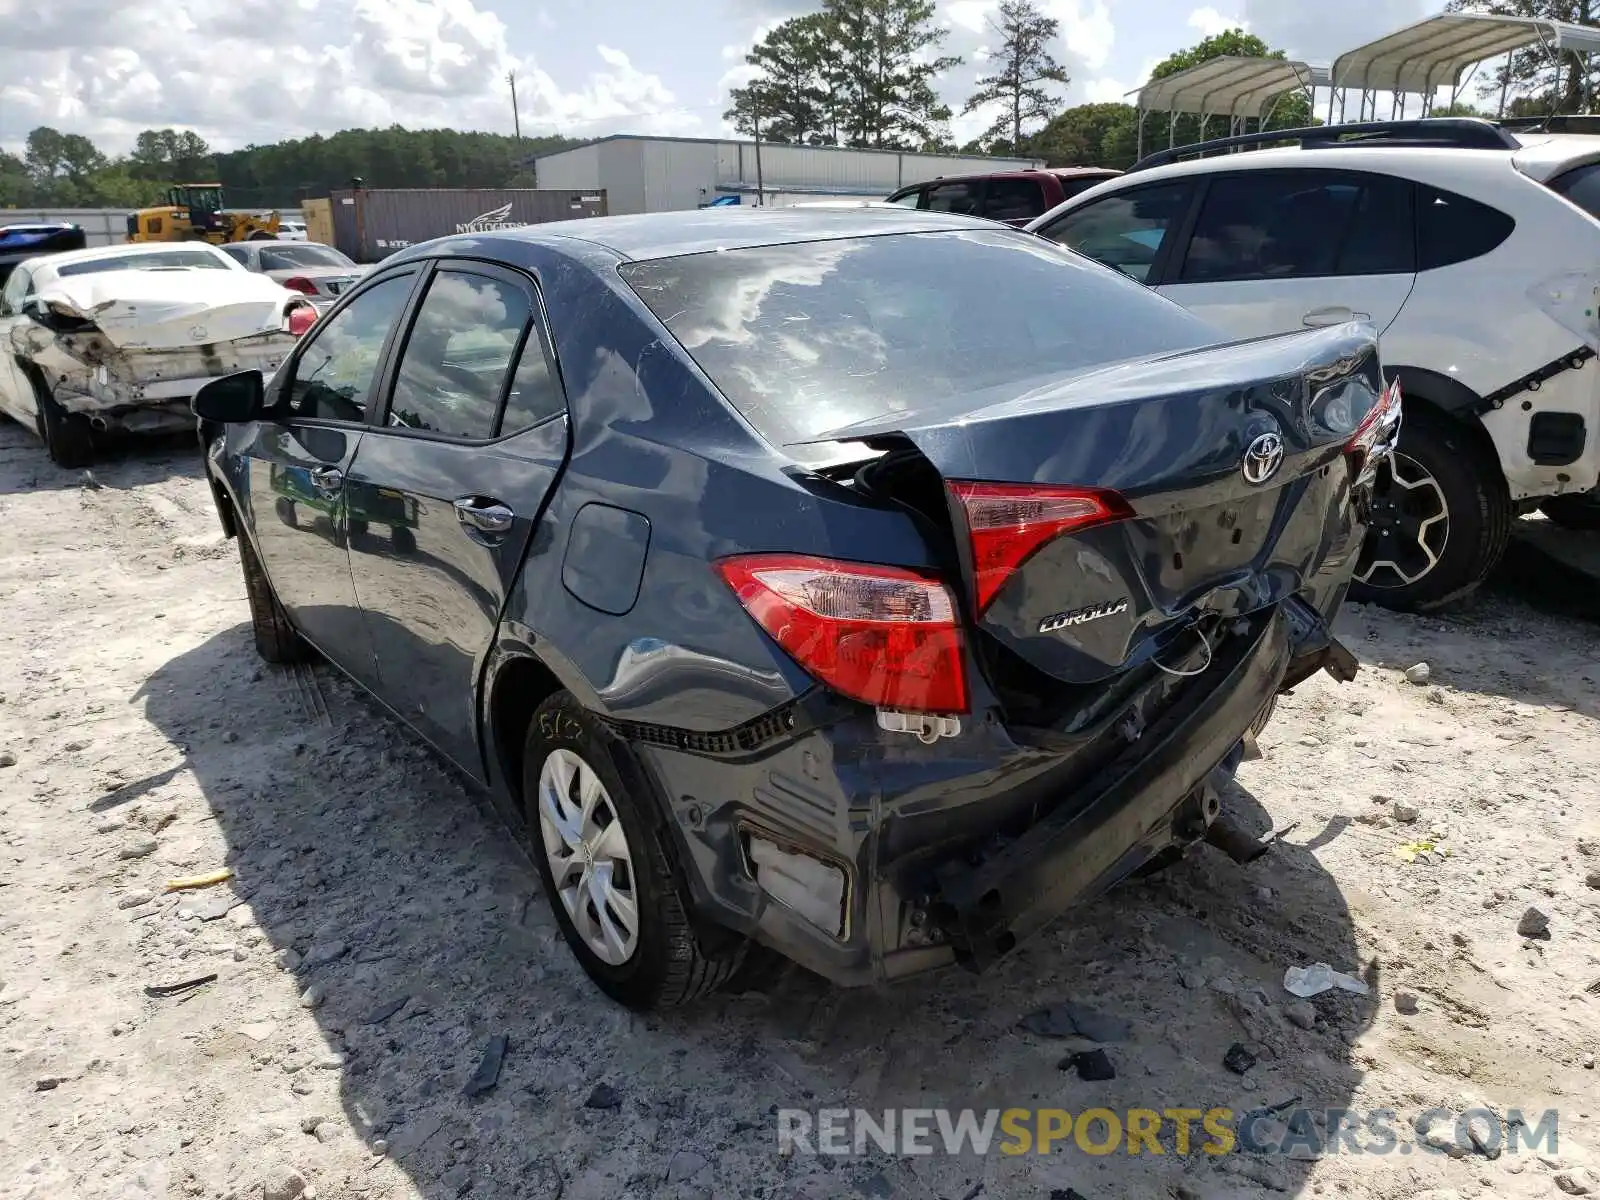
x=1262, y=458
x=1082, y=616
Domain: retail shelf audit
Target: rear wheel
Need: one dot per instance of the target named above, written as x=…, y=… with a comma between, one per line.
x=276, y=639
x=598, y=845
x=1574, y=512
x=68, y=437
x=1441, y=518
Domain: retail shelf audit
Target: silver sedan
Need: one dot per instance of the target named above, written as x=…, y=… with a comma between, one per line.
x=318, y=272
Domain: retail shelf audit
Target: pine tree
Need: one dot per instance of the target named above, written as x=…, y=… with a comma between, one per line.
x=1024, y=65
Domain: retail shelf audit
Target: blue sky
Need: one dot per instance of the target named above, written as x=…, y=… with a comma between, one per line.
x=259, y=70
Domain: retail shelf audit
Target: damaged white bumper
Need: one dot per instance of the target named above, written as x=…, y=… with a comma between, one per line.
x=128, y=350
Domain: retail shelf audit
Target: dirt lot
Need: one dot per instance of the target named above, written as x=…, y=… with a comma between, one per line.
x=382, y=927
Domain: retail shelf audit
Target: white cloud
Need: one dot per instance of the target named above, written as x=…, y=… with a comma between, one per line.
x=1210, y=22
x=971, y=15
x=258, y=71
x=1087, y=28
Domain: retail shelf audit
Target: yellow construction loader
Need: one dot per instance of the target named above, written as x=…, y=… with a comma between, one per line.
x=194, y=212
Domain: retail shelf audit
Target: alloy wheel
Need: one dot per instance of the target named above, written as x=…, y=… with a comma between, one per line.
x=1408, y=528
x=590, y=860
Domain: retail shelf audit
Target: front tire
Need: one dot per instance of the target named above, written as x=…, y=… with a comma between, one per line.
x=276, y=639
x=598, y=841
x=68, y=437
x=1440, y=520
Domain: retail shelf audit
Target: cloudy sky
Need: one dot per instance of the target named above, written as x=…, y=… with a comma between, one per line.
x=242, y=71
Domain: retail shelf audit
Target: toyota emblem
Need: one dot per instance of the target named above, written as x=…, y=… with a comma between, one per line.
x=1262, y=458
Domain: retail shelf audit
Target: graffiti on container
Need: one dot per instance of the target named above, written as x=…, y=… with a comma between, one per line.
x=495, y=218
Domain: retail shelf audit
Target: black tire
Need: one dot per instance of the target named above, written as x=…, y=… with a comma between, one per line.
x=261, y=235
x=675, y=960
x=1438, y=466
x=68, y=437
x=285, y=509
x=1580, y=512
x=402, y=540
x=276, y=639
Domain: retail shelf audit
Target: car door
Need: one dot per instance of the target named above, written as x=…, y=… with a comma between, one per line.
x=295, y=468
x=446, y=488
x=1132, y=230
x=1273, y=251
x=16, y=392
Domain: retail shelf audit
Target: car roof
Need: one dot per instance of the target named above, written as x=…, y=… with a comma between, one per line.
x=697, y=231
x=1024, y=173
x=67, y=257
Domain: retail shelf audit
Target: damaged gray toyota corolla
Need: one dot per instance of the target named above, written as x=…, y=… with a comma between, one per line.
x=875, y=585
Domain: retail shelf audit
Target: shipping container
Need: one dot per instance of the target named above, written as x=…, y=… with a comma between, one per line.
x=319, y=221
x=370, y=224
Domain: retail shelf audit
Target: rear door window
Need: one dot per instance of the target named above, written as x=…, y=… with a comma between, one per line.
x=1013, y=200
x=454, y=366
x=1452, y=229
x=1127, y=231
x=1299, y=224
x=955, y=197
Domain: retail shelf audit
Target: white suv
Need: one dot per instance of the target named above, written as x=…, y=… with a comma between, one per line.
x=1475, y=252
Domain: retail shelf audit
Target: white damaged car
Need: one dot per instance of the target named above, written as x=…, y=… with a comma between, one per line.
x=118, y=338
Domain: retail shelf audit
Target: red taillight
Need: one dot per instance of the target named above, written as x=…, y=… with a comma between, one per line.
x=299, y=283
x=882, y=635
x=1009, y=521
x=1378, y=429
x=300, y=319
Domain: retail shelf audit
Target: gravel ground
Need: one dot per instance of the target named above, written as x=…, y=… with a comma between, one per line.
x=381, y=928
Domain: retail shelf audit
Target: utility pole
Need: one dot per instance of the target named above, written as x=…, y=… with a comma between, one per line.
x=516, y=118
x=755, y=107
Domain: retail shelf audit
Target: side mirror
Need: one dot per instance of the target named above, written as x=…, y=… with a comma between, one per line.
x=232, y=399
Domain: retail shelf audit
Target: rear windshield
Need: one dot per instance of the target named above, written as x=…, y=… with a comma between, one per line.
x=1582, y=187
x=283, y=257
x=144, y=262
x=806, y=338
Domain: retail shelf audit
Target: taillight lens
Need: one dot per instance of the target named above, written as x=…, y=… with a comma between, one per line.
x=299, y=283
x=1375, y=437
x=300, y=318
x=882, y=635
x=1009, y=521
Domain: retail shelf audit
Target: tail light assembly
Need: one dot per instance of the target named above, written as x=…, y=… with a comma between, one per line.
x=1375, y=438
x=299, y=283
x=1008, y=522
x=299, y=317
x=885, y=636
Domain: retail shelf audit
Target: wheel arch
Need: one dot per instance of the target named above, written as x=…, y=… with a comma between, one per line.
x=1447, y=398
x=516, y=686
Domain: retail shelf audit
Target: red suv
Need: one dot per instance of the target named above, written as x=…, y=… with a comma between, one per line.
x=1015, y=197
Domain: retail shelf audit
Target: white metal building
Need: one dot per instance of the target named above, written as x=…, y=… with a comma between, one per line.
x=657, y=174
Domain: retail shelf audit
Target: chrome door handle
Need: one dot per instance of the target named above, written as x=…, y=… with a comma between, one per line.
x=485, y=516
x=327, y=480
x=1336, y=314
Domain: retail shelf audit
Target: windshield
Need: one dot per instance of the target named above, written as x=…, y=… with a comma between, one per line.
x=282, y=258
x=145, y=262
x=806, y=338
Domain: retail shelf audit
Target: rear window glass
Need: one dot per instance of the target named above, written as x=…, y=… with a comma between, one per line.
x=1452, y=229
x=1582, y=187
x=280, y=258
x=145, y=262
x=803, y=339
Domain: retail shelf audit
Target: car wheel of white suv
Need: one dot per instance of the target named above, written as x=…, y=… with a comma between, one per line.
x=1441, y=518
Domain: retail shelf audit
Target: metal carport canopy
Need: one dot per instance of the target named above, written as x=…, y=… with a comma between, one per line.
x=1230, y=86
x=1431, y=54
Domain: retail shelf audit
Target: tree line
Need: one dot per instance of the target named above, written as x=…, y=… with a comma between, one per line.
x=67, y=170
x=854, y=73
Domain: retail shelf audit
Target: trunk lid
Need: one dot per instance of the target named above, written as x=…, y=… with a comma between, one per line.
x=171, y=309
x=1209, y=483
